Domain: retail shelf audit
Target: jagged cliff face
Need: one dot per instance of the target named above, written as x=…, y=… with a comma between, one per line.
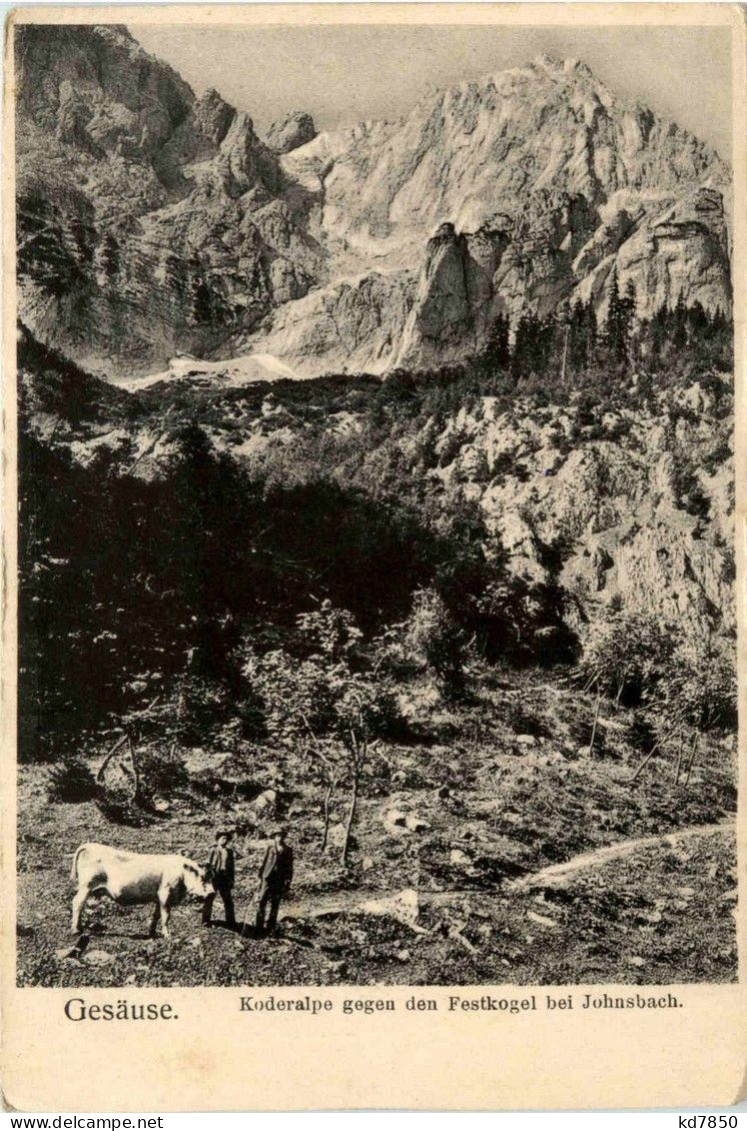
x=523, y=190
x=637, y=511
x=151, y=222
x=642, y=513
x=550, y=125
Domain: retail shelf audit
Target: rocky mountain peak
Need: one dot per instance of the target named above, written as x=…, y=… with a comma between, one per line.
x=198, y=136
x=554, y=65
x=96, y=87
x=243, y=162
x=163, y=214
x=290, y=132
x=401, y=239
x=213, y=115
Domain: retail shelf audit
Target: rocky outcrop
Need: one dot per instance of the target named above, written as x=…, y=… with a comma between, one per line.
x=289, y=133
x=95, y=88
x=150, y=222
x=551, y=251
x=467, y=279
x=607, y=515
x=678, y=247
x=197, y=138
x=353, y=326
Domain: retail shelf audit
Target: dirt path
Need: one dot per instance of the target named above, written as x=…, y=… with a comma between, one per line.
x=599, y=857
x=338, y=902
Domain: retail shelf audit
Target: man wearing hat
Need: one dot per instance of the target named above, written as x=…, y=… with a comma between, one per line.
x=222, y=864
x=275, y=876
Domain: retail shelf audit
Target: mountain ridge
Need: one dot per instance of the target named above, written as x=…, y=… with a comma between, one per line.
x=176, y=227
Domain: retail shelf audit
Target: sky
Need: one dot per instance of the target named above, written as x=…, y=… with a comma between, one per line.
x=345, y=74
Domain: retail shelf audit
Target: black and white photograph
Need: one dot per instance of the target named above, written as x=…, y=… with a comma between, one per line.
x=376, y=560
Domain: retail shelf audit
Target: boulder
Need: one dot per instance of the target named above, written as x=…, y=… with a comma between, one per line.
x=67, y=954
x=395, y=821
x=266, y=803
x=291, y=132
x=404, y=906
x=98, y=958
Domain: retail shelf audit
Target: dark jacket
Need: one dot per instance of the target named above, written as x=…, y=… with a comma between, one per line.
x=222, y=864
x=276, y=870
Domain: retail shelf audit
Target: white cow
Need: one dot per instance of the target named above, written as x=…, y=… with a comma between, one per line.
x=133, y=877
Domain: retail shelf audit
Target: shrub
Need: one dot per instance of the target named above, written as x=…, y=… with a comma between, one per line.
x=120, y=811
x=687, y=487
x=699, y=689
x=433, y=641
x=161, y=772
x=715, y=459
x=71, y=781
x=628, y=654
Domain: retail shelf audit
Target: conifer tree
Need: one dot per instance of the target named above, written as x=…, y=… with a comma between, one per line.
x=616, y=331
x=524, y=358
x=108, y=259
x=199, y=297
x=629, y=306
x=582, y=337
x=497, y=355
x=679, y=323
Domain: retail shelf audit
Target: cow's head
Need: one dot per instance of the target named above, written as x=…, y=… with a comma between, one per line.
x=197, y=880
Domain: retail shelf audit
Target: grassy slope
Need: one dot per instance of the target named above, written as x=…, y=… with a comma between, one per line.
x=495, y=809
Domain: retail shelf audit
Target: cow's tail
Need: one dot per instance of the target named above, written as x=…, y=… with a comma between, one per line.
x=74, y=869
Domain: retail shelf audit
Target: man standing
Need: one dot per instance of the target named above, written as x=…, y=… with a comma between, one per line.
x=222, y=864
x=275, y=876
